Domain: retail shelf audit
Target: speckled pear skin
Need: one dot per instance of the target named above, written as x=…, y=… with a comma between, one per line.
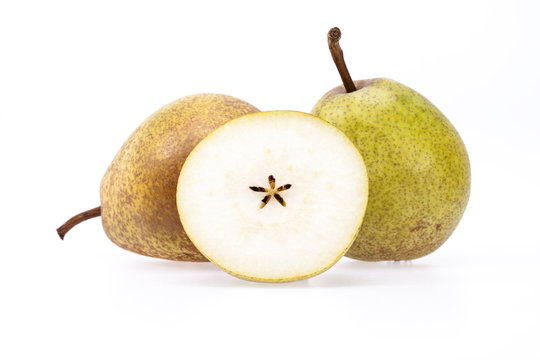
x=418, y=168
x=138, y=191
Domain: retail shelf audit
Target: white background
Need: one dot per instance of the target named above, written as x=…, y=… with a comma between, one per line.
x=77, y=78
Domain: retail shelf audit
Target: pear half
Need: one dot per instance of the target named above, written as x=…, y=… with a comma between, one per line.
x=273, y=196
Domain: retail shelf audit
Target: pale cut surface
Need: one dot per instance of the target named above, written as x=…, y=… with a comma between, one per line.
x=324, y=205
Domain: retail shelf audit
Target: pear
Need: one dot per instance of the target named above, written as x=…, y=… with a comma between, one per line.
x=267, y=196
x=138, y=191
x=418, y=166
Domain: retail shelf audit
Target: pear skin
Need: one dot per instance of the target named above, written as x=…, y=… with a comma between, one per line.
x=138, y=191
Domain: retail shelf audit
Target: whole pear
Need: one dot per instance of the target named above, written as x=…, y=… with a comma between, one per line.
x=418, y=167
x=138, y=191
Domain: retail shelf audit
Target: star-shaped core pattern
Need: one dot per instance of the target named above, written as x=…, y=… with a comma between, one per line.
x=272, y=191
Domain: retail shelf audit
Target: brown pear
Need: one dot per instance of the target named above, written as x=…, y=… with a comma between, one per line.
x=138, y=191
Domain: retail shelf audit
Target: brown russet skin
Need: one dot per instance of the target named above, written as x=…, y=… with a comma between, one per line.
x=138, y=191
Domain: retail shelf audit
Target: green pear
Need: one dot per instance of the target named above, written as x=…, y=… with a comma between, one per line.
x=418, y=167
x=138, y=191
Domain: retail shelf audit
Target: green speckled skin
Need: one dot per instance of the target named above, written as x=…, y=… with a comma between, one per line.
x=138, y=191
x=418, y=167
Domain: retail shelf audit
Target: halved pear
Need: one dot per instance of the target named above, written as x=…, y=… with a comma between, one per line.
x=273, y=196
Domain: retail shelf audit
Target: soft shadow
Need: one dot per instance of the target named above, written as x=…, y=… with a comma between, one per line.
x=339, y=279
x=317, y=282
x=380, y=265
x=347, y=273
x=171, y=265
x=225, y=280
x=206, y=274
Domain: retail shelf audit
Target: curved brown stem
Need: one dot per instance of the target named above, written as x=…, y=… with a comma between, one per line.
x=337, y=54
x=77, y=219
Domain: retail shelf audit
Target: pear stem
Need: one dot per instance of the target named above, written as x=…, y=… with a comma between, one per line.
x=337, y=54
x=77, y=219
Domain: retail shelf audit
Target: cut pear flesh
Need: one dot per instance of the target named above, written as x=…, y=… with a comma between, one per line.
x=273, y=196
